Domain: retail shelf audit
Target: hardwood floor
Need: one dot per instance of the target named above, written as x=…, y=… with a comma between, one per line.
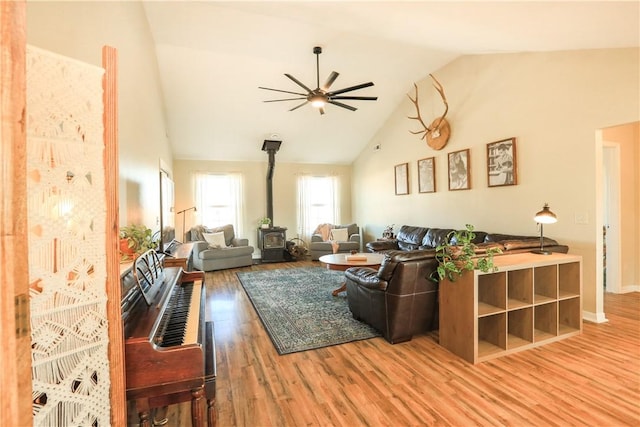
x=592, y=379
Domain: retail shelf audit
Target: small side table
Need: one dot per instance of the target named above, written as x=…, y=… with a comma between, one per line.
x=180, y=257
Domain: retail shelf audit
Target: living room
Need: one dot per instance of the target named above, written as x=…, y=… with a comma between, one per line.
x=544, y=85
x=565, y=101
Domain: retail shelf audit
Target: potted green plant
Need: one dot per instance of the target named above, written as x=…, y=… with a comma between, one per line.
x=456, y=258
x=265, y=222
x=134, y=240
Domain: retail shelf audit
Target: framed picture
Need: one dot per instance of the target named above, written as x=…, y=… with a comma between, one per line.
x=402, y=178
x=427, y=175
x=459, y=178
x=501, y=163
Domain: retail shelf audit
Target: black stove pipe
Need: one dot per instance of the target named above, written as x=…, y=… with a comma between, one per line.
x=271, y=147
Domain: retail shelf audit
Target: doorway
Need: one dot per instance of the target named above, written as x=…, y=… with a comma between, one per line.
x=611, y=216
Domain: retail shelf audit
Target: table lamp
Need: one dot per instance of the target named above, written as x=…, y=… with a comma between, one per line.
x=545, y=216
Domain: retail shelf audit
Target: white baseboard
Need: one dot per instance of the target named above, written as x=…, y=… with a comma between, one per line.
x=594, y=317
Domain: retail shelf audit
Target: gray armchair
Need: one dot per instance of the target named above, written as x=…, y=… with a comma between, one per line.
x=235, y=253
x=319, y=247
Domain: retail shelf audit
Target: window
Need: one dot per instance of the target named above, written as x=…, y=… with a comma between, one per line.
x=219, y=200
x=317, y=202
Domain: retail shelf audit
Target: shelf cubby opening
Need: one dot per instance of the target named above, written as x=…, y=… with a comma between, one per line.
x=569, y=315
x=520, y=327
x=569, y=279
x=545, y=283
x=492, y=334
x=519, y=288
x=545, y=318
x=492, y=292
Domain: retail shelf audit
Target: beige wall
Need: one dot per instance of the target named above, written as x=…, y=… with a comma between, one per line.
x=553, y=103
x=255, y=184
x=628, y=139
x=79, y=30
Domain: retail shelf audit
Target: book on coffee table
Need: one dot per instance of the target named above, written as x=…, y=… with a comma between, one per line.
x=356, y=257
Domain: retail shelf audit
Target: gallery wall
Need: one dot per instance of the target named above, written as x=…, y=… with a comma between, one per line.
x=552, y=103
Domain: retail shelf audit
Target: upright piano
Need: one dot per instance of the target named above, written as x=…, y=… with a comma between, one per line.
x=169, y=347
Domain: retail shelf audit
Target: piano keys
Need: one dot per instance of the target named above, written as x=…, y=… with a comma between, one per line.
x=169, y=347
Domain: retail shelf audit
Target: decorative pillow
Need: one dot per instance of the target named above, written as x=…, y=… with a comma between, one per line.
x=340, y=234
x=215, y=240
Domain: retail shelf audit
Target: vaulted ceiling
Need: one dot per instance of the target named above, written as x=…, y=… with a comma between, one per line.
x=212, y=57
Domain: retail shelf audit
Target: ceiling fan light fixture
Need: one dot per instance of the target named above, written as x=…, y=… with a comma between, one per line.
x=321, y=96
x=317, y=101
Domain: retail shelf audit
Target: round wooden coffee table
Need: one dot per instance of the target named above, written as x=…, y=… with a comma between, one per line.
x=340, y=262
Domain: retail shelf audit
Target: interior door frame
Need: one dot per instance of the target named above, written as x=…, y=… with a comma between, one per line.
x=611, y=206
x=15, y=333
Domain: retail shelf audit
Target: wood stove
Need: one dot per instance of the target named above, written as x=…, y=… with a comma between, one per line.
x=272, y=243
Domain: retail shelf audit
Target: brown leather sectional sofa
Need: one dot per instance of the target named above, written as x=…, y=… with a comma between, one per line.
x=400, y=298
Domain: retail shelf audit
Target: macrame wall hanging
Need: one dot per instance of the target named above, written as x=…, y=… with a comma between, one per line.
x=66, y=229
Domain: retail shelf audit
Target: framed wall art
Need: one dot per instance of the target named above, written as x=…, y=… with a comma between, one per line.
x=459, y=170
x=501, y=163
x=402, y=178
x=427, y=175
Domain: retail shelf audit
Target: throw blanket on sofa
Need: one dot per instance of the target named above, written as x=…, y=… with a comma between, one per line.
x=324, y=230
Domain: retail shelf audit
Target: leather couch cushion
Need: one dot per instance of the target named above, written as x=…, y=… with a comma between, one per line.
x=410, y=238
x=435, y=237
x=367, y=277
x=393, y=258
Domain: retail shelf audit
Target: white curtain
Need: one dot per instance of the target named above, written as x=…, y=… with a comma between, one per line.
x=318, y=203
x=219, y=200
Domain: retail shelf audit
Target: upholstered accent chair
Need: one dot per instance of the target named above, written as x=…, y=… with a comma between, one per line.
x=346, y=236
x=218, y=248
x=399, y=299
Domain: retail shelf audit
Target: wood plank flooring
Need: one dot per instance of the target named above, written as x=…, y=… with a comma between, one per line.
x=591, y=380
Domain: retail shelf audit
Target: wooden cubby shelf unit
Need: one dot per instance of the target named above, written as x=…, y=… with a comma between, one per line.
x=531, y=300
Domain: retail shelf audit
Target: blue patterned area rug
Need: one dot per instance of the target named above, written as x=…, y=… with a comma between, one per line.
x=298, y=311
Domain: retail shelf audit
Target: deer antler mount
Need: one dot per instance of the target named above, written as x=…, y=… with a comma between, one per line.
x=438, y=132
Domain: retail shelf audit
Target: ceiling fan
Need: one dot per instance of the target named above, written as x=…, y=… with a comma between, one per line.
x=320, y=96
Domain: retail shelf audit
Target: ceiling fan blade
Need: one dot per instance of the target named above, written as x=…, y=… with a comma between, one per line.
x=299, y=83
x=340, y=104
x=357, y=98
x=284, y=99
x=347, y=89
x=298, y=106
x=332, y=78
x=284, y=91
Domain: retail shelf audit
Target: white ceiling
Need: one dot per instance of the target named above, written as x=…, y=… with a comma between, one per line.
x=212, y=56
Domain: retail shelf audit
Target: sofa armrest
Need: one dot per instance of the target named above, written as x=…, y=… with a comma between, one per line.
x=366, y=277
x=354, y=238
x=198, y=247
x=316, y=238
x=239, y=242
x=382, y=245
